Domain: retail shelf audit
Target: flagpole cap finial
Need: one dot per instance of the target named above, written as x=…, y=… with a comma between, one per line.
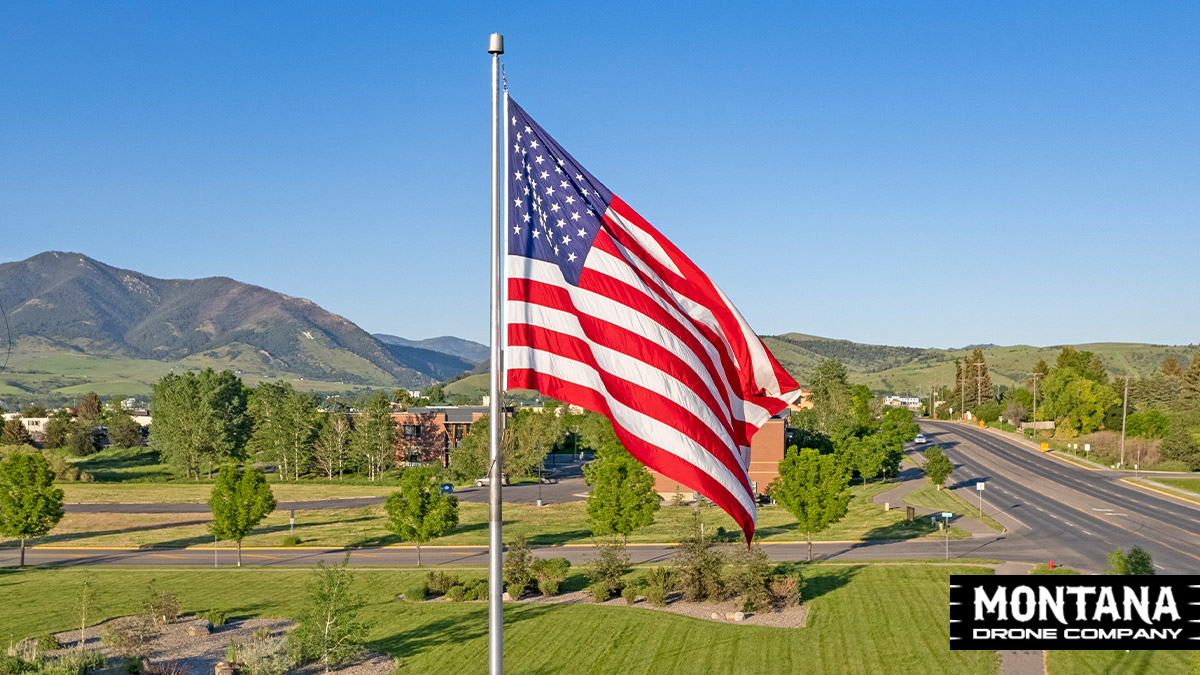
x=496, y=44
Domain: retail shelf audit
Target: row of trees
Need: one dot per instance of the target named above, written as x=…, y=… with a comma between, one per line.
x=77, y=429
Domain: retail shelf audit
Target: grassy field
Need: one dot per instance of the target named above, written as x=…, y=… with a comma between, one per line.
x=552, y=524
x=1115, y=662
x=908, y=635
x=929, y=497
x=1189, y=484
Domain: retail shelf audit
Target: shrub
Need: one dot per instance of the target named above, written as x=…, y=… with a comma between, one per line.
x=608, y=566
x=440, y=582
x=661, y=577
x=599, y=590
x=456, y=593
x=629, y=594
x=477, y=590
x=786, y=590
x=698, y=566
x=655, y=595
x=292, y=540
x=216, y=617
x=47, y=642
x=550, y=573
x=231, y=651
x=751, y=578
x=267, y=657
x=63, y=469
x=518, y=571
x=416, y=592
x=261, y=633
x=127, y=637
x=160, y=607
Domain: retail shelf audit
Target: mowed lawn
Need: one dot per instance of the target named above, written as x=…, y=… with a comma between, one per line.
x=1189, y=484
x=862, y=619
x=552, y=524
x=1102, y=662
x=929, y=497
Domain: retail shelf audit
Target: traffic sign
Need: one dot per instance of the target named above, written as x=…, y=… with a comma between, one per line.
x=979, y=486
x=947, y=514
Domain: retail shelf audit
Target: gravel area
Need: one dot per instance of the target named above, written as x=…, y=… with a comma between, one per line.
x=199, y=655
x=791, y=617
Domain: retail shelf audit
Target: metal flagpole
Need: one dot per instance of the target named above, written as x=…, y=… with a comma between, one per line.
x=496, y=427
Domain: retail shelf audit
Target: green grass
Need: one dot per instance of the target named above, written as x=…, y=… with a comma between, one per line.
x=1042, y=569
x=929, y=497
x=842, y=635
x=1189, y=484
x=565, y=523
x=1114, y=662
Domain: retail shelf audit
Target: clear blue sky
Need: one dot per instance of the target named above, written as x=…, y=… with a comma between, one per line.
x=927, y=174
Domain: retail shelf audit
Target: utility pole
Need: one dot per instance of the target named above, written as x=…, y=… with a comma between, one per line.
x=1124, y=410
x=1035, y=377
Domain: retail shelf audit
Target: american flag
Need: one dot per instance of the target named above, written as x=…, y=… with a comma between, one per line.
x=604, y=312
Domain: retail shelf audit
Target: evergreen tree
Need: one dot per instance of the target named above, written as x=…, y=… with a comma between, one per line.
x=58, y=428
x=1170, y=367
x=90, y=408
x=15, y=433
x=123, y=431
x=1190, y=391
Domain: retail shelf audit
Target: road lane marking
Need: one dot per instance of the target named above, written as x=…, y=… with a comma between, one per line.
x=268, y=557
x=165, y=555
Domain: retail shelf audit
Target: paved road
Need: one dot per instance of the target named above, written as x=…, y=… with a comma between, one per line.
x=569, y=487
x=1064, y=512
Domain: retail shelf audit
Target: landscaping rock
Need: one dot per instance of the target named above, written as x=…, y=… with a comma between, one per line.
x=716, y=617
x=739, y=616
x=507, y=597
x=223, y=668
x=199, y=628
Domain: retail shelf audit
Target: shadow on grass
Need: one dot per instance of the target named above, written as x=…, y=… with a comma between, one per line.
x=68, y=537
x=470, y=623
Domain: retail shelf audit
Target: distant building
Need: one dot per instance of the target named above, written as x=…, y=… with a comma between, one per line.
x=911, y=402
x=428, y=434
x=36, y=426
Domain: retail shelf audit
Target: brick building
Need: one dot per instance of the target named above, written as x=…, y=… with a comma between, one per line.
x=426, y=435
x=766, y=451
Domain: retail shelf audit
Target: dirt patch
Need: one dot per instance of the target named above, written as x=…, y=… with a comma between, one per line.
x=199, y=654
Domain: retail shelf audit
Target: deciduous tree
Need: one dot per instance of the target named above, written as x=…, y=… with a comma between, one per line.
x=239, y=501
x=419, y=512
x=200, y=419
x=123, y=430
x=329, y=630
x=375, y=435
x=332, y=446
x=937, y=467
x=622, y=498
x=813, y=488
x=30, y=505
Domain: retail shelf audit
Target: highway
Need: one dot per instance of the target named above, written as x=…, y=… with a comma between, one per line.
x=1063, y=511
x=1053, y=509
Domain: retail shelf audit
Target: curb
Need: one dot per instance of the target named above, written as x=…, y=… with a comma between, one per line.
x=1185, y=500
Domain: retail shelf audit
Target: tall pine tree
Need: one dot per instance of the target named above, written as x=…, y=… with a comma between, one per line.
x=1190, y=392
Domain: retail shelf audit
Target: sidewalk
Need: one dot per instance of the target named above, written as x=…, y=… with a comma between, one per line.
x=912, y=478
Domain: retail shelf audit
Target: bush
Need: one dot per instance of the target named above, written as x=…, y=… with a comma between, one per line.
x=518, y=570
x=662, y=577
x=456, y=593
x=655, y=595
x=64, y=470
x=600, y=591
x=128, y=637
x=216, y=617
x=550, y=573
x=629, y=594
x=160, y=607
x=608, y=566
x=751, y=578
x=786, y=590
x=698, y=566
x=261, y=633
x=267, y=657
x=477, y=590
x=416, y=592
x=47, y=642
x=440, y=582
x=292, y=540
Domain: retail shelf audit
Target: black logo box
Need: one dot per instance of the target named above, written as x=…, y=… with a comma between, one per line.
x=994, y=612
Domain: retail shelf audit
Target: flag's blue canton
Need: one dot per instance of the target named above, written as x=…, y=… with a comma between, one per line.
x=554, y=204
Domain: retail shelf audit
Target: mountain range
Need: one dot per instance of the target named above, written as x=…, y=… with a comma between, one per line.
x=65, y=309
x=80, y=325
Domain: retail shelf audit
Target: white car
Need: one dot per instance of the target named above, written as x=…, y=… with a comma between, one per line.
x=919, y=439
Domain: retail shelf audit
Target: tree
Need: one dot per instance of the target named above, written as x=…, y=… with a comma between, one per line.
x=32, y=411
x=239, y=501
x=285, y=425
x=937, y=467
x=1190, y=391
x=123, y=431
x=86, y=603
x=58, y=428
x=435, y=393
x=90, y=407
x=622, y=496
x=528, y=438
x=813, y=488
x=402, y=397
x=419, y=512
x=1015, y=413
x=200, y=419
x=1170, y=367
x=375, y=435
x=470, y=458
x=698, y=565
x=1136, y=562
x=831, y=396
x=30, y=505
x=865, y=455
x=1179, y=446
x=328, y=630
x=15, y=433
x=81, y=439
x=332, y=446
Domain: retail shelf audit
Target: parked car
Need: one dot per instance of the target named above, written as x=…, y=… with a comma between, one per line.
x=919, y=439
x=486, y=480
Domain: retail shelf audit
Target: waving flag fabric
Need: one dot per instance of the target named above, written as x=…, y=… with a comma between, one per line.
x=604, y=312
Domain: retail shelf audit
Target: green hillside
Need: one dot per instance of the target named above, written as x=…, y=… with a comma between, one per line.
x=908, y=370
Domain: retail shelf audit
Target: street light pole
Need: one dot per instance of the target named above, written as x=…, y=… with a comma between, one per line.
x=1124, y=410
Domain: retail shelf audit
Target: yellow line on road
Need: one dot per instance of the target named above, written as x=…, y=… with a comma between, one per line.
x=1190, y=502
x=165, y=555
